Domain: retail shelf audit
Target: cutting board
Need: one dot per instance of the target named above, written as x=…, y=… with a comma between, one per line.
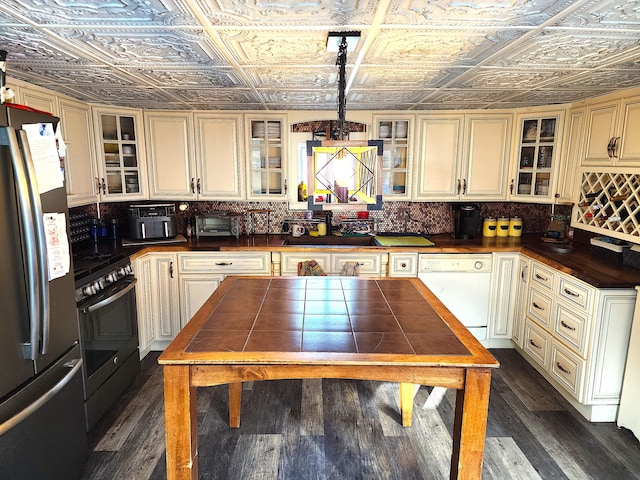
x=407, y=241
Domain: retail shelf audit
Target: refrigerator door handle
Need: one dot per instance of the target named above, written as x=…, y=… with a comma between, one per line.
x=35, y=243
x=75, y=365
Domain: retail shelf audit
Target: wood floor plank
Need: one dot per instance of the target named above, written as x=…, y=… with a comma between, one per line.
x=503, y=459
x=256, y=457
x=358, y=435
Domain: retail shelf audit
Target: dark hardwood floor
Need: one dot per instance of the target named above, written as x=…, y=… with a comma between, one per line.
x=340, y=429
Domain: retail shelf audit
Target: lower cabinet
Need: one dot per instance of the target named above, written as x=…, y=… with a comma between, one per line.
x=576, y=336
x=503, y=299
x=332, y=263
x=403, y=264
x=172, y=287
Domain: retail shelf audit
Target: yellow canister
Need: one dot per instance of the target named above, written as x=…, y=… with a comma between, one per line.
x=322, y=229
x=515, y=227
x=489, y=227
x=503, y=227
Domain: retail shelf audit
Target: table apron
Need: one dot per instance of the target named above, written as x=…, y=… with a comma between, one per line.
x=208, y=375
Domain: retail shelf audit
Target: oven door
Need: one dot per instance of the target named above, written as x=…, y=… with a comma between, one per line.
x=109, y=332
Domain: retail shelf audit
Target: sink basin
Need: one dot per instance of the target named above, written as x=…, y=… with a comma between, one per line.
x=307, y=240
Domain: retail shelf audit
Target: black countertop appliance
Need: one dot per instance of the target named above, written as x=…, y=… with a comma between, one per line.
x=466, y=220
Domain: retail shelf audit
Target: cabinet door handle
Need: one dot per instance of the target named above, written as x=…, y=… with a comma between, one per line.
x=566, y=325
x=193, y=187
x=534, y=345
x=523, y=274
x=171, y=269
x=562, y=369
x=403, y=265
x=104, y=186
x=538, y=306
x=198, y=187
x=511, y=185
x=285, y=185
x=569, y=292
x=464, y=186
x=610, y=148
x=458, y=189
x=615, y=147
x=540, y=277
x=223, y=264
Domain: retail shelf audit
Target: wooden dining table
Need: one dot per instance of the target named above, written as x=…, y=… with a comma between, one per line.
x=270, y=328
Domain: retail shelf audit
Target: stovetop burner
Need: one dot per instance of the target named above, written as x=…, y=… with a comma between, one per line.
x=86, y=265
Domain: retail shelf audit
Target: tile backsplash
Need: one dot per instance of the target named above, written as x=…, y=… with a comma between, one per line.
x=430, y=218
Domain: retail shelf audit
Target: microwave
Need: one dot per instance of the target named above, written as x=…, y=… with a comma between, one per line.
x=218, y=224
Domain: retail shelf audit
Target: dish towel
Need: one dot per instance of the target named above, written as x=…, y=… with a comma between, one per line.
x=350, y=269
x=310, y=268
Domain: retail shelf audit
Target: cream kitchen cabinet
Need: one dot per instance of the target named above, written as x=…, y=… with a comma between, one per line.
x=120, y=150
x=577, y=336
x=396, y=132
x=503, y=299
x=80, y=167
x=611, y=133
x=194, y=156
x=573, y=144
x=332, y=262
x=403, y=264
x=38, y=99
x=172, y=287
x=520, y=313
x=537, y=156
x=266, y=152
x=463, y=156
x=157, y=300
x=200, y=274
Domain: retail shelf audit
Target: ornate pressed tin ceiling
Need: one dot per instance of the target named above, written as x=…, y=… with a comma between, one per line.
x=270, y=54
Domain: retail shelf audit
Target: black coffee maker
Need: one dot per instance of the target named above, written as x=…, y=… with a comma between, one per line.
x=466, y=220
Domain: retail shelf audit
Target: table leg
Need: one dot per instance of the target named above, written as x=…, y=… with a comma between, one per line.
x=470, y=425
x=235, y=397
x=181, y=426
x=407, y=391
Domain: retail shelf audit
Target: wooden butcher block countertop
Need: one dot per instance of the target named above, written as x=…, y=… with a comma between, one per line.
x=579, y=261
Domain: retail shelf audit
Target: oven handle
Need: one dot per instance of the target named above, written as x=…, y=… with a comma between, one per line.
x=119, y=294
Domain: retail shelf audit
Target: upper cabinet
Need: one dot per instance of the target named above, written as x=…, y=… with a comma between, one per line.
x=194, y=156
x=79, y=162
x=463, y=157
x=39, y=100
x=396, y=132
x=612, y=138
x=537, y=156
x=121, y=157
x=573, y=145
x=266, y=144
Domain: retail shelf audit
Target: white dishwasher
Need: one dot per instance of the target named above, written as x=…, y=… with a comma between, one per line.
x=462, y=282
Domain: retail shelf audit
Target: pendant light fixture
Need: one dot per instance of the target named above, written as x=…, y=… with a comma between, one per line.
x=344, y=41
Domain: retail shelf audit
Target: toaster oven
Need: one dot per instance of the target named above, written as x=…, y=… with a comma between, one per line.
x=218, y=224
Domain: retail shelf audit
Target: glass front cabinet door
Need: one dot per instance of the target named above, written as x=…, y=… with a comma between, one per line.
x=121, y=150
x=396, y=133
x=266, y=148
x=537, y=157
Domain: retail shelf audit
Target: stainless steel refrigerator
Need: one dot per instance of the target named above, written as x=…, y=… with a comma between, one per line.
x=42, y=424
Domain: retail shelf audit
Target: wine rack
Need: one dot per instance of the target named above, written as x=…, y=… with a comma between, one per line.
x=610, y=202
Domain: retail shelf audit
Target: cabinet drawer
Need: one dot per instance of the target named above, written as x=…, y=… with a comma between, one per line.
x=537, y=343
x=539, y=307
x=542, y=275
x=567, y=368
x=572, y=328
x=370, y=264
x=403, y=264
x=256, y=263
x=575, y=292
x=289, y=261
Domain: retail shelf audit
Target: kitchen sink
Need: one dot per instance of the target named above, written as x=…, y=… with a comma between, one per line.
x=308, y=240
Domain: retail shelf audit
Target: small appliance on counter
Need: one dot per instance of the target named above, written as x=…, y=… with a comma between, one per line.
x=466, y=220
x=218, y=224
x=152, y=222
